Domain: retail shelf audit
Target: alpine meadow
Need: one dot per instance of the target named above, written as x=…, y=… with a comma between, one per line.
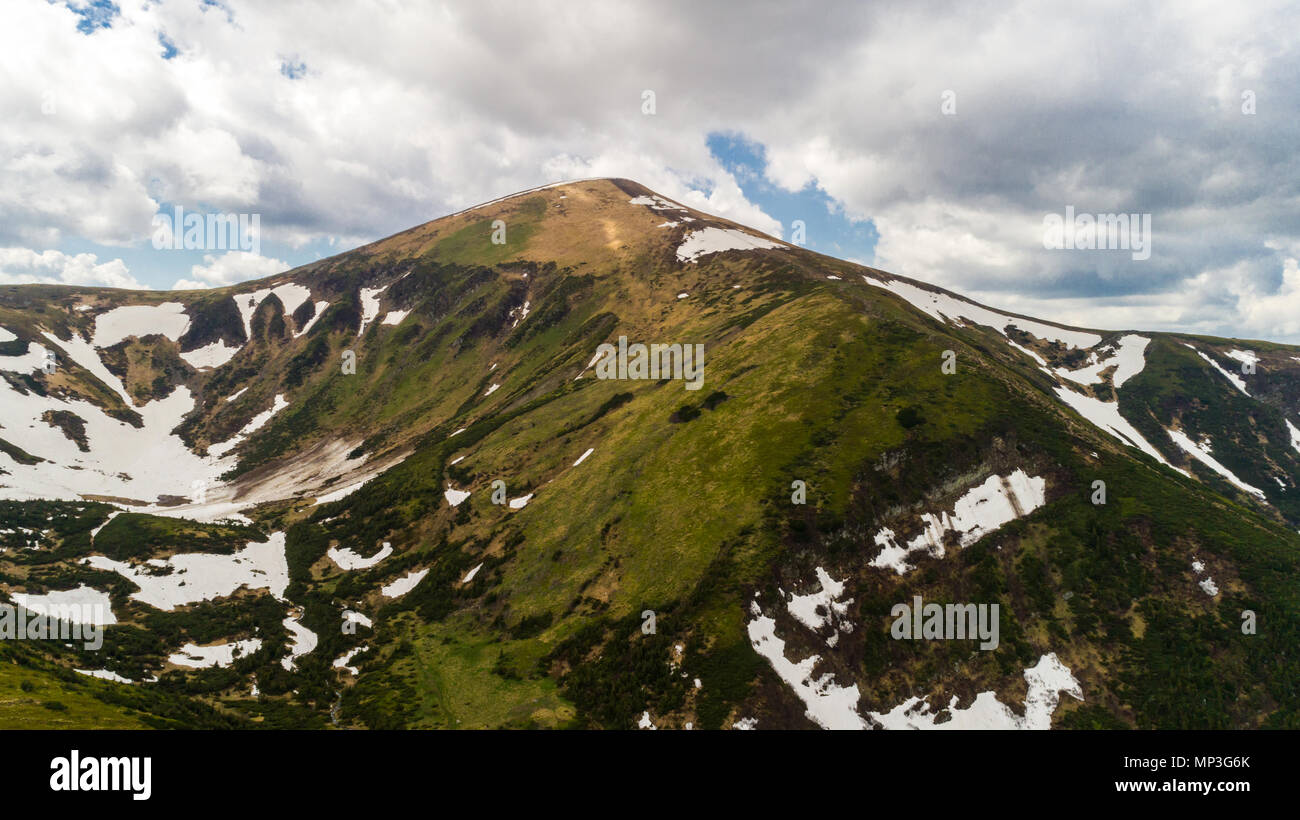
x=587, y=457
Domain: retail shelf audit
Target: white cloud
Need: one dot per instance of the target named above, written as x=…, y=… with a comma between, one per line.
x=21, y=266
x=232, y=267
x=403, y=113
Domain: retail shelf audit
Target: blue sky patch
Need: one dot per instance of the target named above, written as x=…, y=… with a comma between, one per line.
x=827, y=229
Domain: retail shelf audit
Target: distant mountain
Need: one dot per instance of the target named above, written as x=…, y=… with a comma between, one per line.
x=283, y=495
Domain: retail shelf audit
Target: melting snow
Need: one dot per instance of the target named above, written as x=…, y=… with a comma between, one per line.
x=713, y=240
x=404, y=584
x=304, y=641
x=1236, y=380
x=1106, y=416
x=291, y=296
x=981, y=510
x=320, y=311
x=829, y=705
x=369, y=306
x=201, y=657
x=1128, y=360
x=454, y=497
x=31, y=361
x=1206, y=584
x=583, y=457
x=1201, y=452
x=70, y=605
x=198, y=577
x=492, y=389
x=209, y=356
x=343, y=492
x=350, y=616
x=518, y=503
x=394, y=317
x=947, y=308
x=469, y=576
x=168, y=319
x=1295, y=434
x=344, y=660
x=347, y=559
x=255, y=424
x=103, y=674
x=1047, y=679
x=804, y=607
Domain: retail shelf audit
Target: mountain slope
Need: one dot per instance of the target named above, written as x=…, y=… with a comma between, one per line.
x=308, y=462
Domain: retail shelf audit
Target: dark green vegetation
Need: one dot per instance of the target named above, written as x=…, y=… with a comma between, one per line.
x=536, y=615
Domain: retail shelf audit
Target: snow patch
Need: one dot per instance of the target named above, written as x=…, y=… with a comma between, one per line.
x=714, y=240
x=404, y=584
x=978, y=512
x=349, y=560
x=1047, y=680
x=195, y=577
x=168, y=319
x=947, y=308
x=1201, y=452
x=210, y=356
x=202, y=657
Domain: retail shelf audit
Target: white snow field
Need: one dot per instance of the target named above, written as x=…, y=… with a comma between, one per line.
x=369, y=307
x=210, y=356
x=714, y=240
x=1047, y=680
x=828, y=705
x=304, y=641
x=1128, y=361
x=168, y=319
x=981, y=510
x=347, y=559
x=344, y=661
x=1237, y=381
x=804, y=607
x=1201, y=452
x=404, y=584
x=1295, y=434
x=290, y=295
x=103, y=674
x=953, y=310
x=1105, y=415
x=202, y=657
x=83, y=605
x=200, y=576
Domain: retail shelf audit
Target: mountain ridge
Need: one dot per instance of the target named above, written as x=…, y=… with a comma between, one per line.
x=468, y=364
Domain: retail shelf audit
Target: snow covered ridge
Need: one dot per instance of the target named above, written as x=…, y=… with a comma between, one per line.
x=980, y=511
x=954, y=310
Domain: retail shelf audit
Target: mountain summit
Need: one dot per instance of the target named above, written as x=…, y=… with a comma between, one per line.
x=585, y=456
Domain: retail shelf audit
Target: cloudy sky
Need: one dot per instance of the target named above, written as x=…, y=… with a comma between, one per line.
x=927, y=139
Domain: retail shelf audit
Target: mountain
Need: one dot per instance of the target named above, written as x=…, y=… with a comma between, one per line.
x=281, y=497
